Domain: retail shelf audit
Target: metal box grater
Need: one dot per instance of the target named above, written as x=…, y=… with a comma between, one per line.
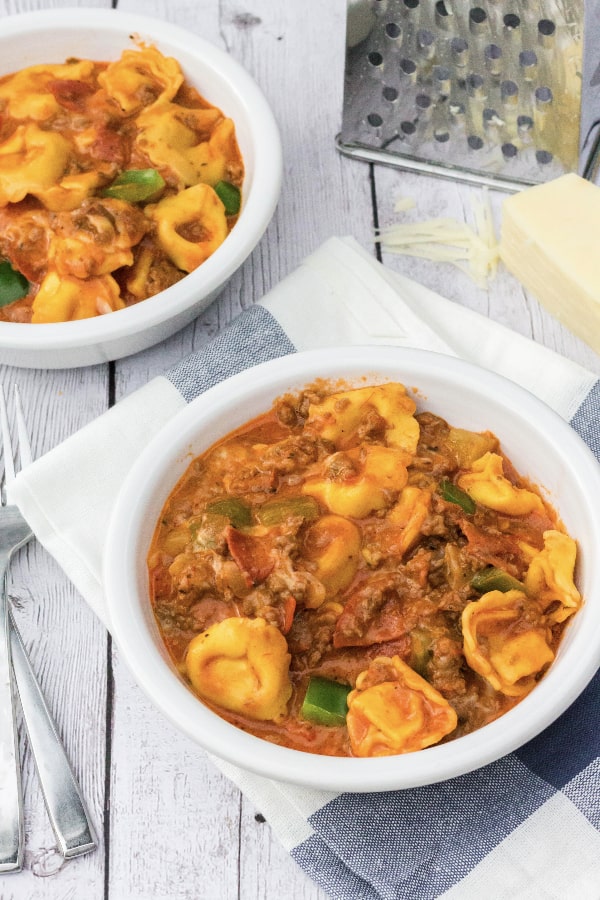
x=498, y=92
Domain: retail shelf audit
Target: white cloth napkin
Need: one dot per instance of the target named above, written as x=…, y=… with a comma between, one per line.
x=340, y=295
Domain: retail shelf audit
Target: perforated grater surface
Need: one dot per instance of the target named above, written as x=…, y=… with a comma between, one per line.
x=498, y=93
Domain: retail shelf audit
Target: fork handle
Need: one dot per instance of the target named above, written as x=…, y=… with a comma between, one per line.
x=11, y=800
x=62, y=796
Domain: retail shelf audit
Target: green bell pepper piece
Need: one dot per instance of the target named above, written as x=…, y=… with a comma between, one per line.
x=230, y=197
x=493, y=579
x=453, y=494
x=274, y=512
x=325, y=701
x=135, y=185
x=421, y=650
x=237, y=511
x=13, y=285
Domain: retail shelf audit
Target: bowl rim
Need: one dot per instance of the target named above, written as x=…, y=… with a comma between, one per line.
x=258, y=205
x=168, y=692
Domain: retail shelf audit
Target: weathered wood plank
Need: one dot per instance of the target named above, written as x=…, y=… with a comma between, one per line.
x=66, y=643
x=67, y=646
x=174, y=820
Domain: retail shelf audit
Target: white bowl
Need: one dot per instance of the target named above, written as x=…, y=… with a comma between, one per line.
x=540, y=444
x=102, y=34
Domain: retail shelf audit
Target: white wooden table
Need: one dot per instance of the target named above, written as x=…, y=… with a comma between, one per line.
x=171, y=826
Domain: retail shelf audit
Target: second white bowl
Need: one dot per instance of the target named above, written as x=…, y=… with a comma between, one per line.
x=51, y=36
x=540, y=444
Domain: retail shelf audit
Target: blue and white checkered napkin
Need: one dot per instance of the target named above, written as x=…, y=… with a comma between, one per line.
x=526, y=827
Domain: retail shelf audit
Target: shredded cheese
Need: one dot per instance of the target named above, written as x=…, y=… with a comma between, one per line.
x=474, y=251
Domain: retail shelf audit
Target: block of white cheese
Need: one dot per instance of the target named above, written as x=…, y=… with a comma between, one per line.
x=550, y=240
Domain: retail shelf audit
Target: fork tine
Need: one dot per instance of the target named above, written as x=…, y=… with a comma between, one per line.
x=24, y=445
x=9, y=466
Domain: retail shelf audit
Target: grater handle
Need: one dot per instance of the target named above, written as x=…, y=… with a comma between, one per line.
x=591, y=169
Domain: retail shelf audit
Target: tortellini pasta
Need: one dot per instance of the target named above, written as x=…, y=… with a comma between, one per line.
x=343, y=416
x=70, y=192
x=549, y=577
x=333, y=544
x=394, y=710
x=31, y=161
x=64, y=299
x=359, y=480
x=242, y=665
x=141, y=77
x=506, y=640
x=196, y=145
x=190, y=225
x=98, y=240
x=487, y=485
x=467, y=446
x=409, y=515
x=28, y=93
x=213, y=158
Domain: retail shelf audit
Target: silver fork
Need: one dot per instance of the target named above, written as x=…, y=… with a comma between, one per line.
x=64, y=803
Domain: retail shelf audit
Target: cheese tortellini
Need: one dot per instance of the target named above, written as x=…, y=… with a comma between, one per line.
x=409, y=515
x=359, y=481
x=66, y=298
x=190, y=225
x=31, y=161
x=169, y=133
x=363, y=477
x=550, y=576
x=394, y=710
x=141, y=77
x=345, y=416
x=506, y=640
x=28, y=95
x=487, y=485
x=195, y=145
x=242, y=665
x=97, y=240
x=333, y=544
